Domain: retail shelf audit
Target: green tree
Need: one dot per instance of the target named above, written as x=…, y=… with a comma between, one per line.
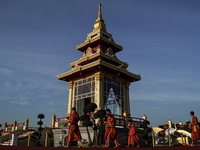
x=40, y=123
x=87, y=123
x=89, y=120
x=100, y=114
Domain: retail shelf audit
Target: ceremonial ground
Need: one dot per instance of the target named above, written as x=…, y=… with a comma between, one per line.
x=121, y=148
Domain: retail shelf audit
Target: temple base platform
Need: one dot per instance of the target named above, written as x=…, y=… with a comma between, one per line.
x=59, y=136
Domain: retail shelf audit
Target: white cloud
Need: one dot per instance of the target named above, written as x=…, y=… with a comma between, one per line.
x=20, y=102
x=5, y=71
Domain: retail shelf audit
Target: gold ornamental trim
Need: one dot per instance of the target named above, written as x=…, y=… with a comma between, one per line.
x=99, y=76
x=109, y=57
x=128, y=84
x=96, y=39
x=70, y=83
x=99, y=62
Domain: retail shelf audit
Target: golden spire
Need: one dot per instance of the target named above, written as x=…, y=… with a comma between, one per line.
x=99, y=14
x=99, y=22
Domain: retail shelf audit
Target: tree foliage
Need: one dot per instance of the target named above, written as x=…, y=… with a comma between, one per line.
x=86, y=120
x=41, y=116
x=87, y=124
x=89, y=120
x=100, y=114
x=85, y=117
x=40, y=129
x=38, y=134
x=89, y=108
x=40, y=123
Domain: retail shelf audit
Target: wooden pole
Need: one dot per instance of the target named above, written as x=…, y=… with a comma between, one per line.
x=153, y=139
x=26, y=124
x=46, y=139
x=182, y=137
x=53, y=121
x=5, y=124
x=29, y=137
x=14, y=125
x=169, y=140
x=185, y=140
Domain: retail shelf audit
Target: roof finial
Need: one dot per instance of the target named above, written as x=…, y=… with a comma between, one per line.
x=99, y=13
x=99, y=22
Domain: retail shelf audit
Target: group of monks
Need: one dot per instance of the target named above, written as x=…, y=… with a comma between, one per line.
x=110, y=130
x=111, y=133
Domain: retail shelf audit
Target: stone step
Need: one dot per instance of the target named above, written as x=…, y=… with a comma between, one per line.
x=6, y=142
x=21, y=135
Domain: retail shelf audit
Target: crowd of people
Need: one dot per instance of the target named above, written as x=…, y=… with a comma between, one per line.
x=111, y=133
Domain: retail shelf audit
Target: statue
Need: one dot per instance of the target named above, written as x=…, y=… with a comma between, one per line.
x=162, y=135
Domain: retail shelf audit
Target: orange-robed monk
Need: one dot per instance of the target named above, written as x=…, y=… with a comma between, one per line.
x=195, y=130
x=74, y=133
x=132, y=138
x=112, y=135
x=108, y=128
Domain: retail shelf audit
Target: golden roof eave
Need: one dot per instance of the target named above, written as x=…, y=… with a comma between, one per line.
x=109, y=57
x=79, y=46
x=96, y=63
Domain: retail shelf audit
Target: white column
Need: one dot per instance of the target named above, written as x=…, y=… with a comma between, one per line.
x=70, y=98
x=126, y=99
x=99, y=89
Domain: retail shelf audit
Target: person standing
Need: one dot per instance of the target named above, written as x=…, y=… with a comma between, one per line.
x=74, y=133
x=195, y=130
x=108, y=128
x=132, y=138
x=112, y=135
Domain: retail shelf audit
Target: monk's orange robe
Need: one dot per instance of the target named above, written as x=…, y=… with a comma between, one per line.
x=195, y=130
x=107, y=128
x=112, y=135
x=132, y=138
x=74, y=133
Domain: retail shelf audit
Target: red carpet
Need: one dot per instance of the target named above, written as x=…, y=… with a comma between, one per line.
x=121, y=148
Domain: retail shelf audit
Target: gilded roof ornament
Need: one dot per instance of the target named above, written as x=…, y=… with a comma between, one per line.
x=99, y=22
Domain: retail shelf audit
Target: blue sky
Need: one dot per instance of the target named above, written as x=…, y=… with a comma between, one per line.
x=38, y=40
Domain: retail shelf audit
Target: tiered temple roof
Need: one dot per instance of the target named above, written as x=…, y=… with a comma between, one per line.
x=99, y=54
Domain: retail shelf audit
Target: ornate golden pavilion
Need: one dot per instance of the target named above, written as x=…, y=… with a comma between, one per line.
x=99, y=76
